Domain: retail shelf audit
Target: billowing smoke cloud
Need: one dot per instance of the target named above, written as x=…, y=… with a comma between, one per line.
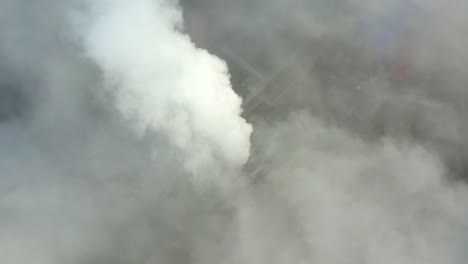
x=352, y=178
x=165, y=83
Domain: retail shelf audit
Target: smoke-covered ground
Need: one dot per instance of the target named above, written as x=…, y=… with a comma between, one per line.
x=123, y=139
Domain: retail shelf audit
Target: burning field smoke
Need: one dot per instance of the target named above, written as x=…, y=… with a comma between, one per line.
x=111, y=112
x=163, y=81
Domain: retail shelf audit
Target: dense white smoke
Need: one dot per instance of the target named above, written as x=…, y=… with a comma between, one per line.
x=78, y=185
x=164, y=83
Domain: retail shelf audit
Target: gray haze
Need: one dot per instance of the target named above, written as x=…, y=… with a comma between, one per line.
x=121, y=141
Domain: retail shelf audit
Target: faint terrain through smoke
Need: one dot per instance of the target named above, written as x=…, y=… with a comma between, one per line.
x=216, y=131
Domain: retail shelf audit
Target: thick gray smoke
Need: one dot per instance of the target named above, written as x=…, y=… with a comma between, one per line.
x=328, y=197
x=108, y=110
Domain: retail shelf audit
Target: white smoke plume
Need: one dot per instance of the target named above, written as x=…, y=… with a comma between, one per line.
x=166, y=84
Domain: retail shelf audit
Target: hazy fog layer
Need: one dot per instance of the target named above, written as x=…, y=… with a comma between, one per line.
x=123, y=138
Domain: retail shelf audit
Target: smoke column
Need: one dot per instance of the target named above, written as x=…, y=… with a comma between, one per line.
x=165, y=84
